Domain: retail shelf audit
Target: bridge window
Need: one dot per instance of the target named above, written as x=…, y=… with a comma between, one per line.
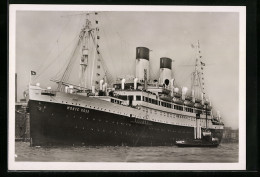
x=138, y=98
x=123, y=97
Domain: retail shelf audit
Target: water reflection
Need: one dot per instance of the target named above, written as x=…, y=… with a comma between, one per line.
x=223, y=153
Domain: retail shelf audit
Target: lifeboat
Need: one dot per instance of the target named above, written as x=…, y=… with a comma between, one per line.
x=188, y=103
x=166, y=91
x=175, y=94
x=208, y=107
x=177, y=100
x=166, y=98
x=197, y=100
x=198, y=105
x=206, y=103
x=189, y=98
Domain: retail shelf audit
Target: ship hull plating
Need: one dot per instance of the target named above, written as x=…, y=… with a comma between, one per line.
x=61, y=124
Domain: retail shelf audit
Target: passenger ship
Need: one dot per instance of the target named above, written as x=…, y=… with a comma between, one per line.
x=133, y=111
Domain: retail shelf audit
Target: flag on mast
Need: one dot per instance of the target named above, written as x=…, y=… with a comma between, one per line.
x=203, y=64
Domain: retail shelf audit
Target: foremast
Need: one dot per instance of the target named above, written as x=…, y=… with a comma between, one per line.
x=88, y=36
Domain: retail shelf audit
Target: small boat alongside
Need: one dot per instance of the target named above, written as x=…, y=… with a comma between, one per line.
x=213, y=142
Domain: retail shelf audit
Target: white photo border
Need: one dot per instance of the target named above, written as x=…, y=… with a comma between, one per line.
x=14, y=165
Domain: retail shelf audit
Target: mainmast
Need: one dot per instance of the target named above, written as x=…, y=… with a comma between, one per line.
x=197, y=76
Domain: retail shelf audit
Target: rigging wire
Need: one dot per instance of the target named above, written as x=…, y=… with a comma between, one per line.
x=65, y=74
x=54, y=43
x=43, y=69
x=109, y=76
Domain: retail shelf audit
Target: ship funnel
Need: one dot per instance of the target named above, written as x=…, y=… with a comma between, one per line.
x=202, y=98
x=172, y=83
x=100, y=84
x=172, y=86
x=165, y=70
x=123, y=84
x=104, y=87
x=184, y=91
x=209, y=101
x=66, y=89
x=193, y=96
x=135, y=83
x=93, y=88
x=70, y=89
x=176, y=90
x=218, y=114
x=142, y=64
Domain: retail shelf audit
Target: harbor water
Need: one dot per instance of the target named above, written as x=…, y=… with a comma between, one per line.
x=224, y=153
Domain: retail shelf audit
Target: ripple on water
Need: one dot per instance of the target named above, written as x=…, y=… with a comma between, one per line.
x=223, y=153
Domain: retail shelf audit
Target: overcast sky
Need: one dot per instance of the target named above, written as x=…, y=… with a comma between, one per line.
x=44, y=41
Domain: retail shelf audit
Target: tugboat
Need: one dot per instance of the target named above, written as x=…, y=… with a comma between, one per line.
x=207, y=140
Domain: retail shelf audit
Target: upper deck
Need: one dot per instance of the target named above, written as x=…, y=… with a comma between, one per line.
x=151, y=100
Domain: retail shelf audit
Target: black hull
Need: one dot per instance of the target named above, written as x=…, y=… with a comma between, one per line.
x=56, y=124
